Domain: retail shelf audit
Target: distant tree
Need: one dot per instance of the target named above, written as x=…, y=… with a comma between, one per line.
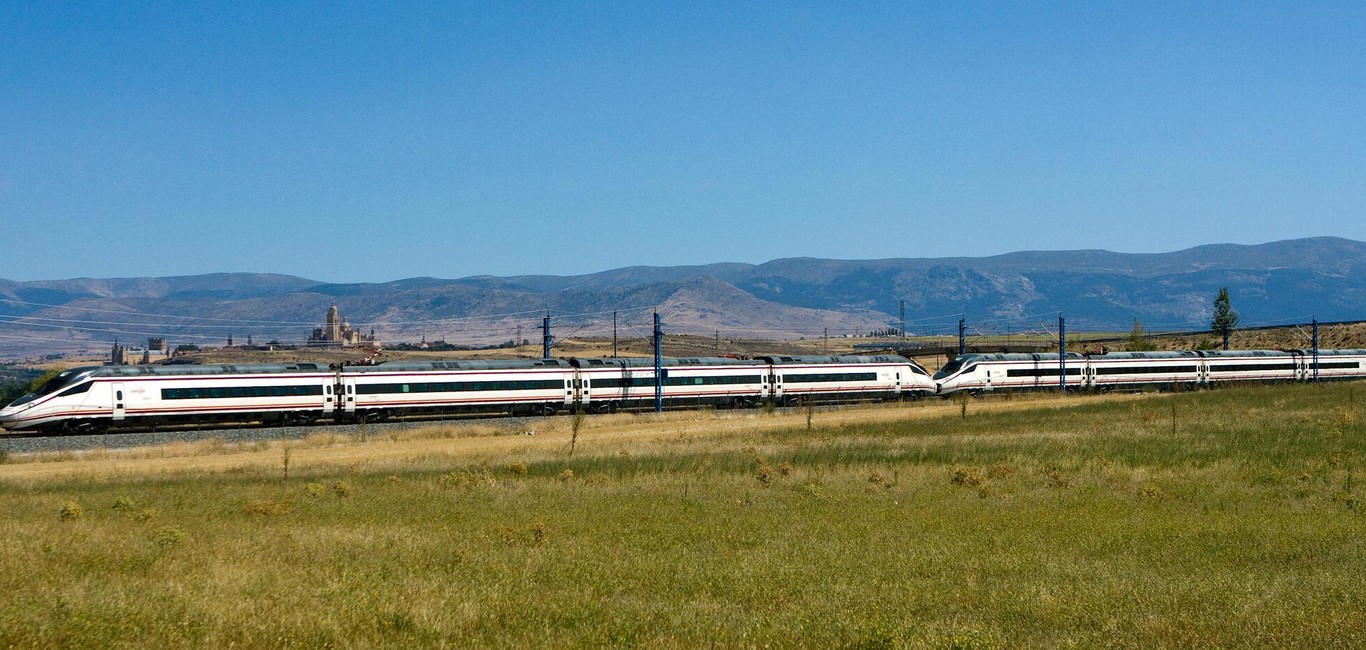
x=1225, y=318
x=1137, y=340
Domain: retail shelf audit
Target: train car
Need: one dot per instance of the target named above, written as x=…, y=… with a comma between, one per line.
x=1118, y=369
x=95, y=398
x=1334, y=364
x=845, y=378
x=1190, y=368
x=1252, y=365
x=412, y=388
x=621, y=383
x=987, y=372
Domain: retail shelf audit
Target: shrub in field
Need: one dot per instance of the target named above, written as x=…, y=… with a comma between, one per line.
x=968, y=477
x=876, y=480
x=785, y=469
x=1056, y=479
x=169, y=537
x=762, y=472
x=145, y=515
x=71, y=511
x=314, y=489
x=567, y=474
x=267, y=508
x=341, y=488
x=464, y=478
x=1000, y=470
x=125, y=504
x=518, y=469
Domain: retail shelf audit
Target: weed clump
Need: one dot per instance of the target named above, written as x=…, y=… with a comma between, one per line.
x=1000, y=470
x=71, y=511
x=125, y=505
x=314, y=489
x=762, y=472
x=517, y=469
x=567, y=474
x=876, y=480
x=341, y=488
x=464, y=478
x=267, y=508
x=968, y=477
x=168, y=537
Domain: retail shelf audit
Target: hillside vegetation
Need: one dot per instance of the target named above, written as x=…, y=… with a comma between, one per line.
x=1225, y=518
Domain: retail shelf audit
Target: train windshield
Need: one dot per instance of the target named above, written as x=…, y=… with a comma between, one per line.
x=949, y=368
x=62, y=380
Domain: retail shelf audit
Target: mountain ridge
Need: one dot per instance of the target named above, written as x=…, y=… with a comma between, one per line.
x=1290, y=280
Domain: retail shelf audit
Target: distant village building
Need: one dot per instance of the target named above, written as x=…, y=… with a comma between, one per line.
x=158, y=344
x=122, y=355
x=338, y=333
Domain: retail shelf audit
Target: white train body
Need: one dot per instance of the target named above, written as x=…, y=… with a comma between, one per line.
x=115, y=395
x=97, y=398
x=988, y=372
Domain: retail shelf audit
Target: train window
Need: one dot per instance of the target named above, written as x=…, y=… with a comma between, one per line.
x=948, y=369
x=76, y=390
x=118, y=395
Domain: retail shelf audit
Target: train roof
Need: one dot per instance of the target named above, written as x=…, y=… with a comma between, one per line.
x=215, y=369
x=1014, y=356
x=847, y=358
x=1176, y=354
x=667, y=362
x=1249, y=353
x=461, y=364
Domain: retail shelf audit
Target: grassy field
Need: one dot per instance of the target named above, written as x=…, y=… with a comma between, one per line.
x=1227, y=518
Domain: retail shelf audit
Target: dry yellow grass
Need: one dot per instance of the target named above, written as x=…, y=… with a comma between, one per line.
x=478, y=442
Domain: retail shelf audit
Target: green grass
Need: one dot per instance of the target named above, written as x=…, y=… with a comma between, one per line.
x=1092, y=525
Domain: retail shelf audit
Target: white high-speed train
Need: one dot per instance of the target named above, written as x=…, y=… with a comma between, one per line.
x=987, y=372
x=99, y=398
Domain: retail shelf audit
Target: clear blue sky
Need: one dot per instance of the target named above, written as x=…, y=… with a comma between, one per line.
x=347, y=142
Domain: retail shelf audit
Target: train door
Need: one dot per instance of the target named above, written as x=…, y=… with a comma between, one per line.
x=569, y=388
x=347, y=396
x=777, y=385
x=329, y=398
x=580, y=395
x=896, y=388
x=120, y=406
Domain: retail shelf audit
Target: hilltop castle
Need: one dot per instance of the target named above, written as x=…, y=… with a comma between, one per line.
x=338, y=333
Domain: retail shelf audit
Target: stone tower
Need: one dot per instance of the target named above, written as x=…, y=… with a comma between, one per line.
x=333, y=324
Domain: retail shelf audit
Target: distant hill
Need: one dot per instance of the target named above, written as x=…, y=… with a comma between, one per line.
x=1277, y=282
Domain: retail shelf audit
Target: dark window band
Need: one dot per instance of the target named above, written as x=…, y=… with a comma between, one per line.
x=229, y=392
